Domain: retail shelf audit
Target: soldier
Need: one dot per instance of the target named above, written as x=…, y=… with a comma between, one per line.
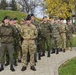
x=7, y=55
x=36, y=23
x=29, y=34
x=45, y=34
x=55, y=37
x=51, y=20
x=17, y=43
x=7, y=33
x=11, y=22
x=63, y=30
x=22, y=22
x=69, y=34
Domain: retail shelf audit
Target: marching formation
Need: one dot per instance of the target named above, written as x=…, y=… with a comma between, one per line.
x=24, y=42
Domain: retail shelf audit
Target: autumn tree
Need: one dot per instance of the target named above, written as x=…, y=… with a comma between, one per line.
x=60, y=8
x=28, y=5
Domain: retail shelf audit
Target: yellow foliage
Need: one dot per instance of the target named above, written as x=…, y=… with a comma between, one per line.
x=60, y=8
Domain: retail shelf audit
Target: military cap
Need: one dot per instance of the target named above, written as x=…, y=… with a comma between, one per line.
x=15, y=19
x=6, y=17
x=28, y=17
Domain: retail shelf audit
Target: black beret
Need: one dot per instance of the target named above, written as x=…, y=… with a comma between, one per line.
x=6, y=17
x=61, y=18
x=28, y=17
x=15, y=19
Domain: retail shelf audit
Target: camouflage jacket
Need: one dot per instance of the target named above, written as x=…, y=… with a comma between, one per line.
x=63, y=28
x=70, y=30
x=29, y=32
x=55, y=31
x=46, y=29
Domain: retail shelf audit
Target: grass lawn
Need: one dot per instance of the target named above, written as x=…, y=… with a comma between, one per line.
x=12, y=14
x=68, y=68
x=74, y=41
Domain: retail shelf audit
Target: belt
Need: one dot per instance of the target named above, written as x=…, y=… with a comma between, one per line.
x=30, y=39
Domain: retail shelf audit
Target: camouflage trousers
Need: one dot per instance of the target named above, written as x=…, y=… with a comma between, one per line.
x=69, y=41
x=55, y=42
x=31, y=46
x=18, y=51
x=63, y=41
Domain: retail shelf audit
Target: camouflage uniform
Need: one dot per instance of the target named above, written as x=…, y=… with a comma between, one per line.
x=6, y=55
x=17, y=42
x=29, y=34
x=45, y=36
x=36, y=23
x=7, y=34
x=55, y=37
x=63, y=30
x=69, y=35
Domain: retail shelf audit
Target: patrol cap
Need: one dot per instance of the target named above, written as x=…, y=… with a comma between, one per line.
x=28, y=17
x=15, y=19
x=6, y=17
x=44, y=17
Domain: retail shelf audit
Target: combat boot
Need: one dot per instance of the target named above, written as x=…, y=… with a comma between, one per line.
x=23, y=68
x=63, y=50
x=57, y=51
x=33, y=68
x=53, y=51
x=2, y=68
x=7, y=63
x=12, y=68
x=35, y=57
x=15, y=63
x=60, y=49
x=19, y=61
x=48, y=54
x=43, y=53
x=39, y=56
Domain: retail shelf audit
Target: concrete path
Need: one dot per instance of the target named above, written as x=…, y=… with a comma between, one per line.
x=45, y=66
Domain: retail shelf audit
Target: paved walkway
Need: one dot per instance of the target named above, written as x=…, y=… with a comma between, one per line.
x=45, y=66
